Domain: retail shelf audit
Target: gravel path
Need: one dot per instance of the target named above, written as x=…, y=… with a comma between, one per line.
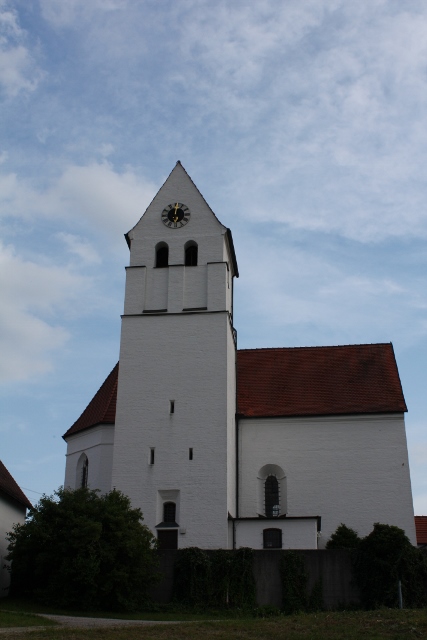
x=75, y=622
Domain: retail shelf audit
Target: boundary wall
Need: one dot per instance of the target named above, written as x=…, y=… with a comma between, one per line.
x=331, y=566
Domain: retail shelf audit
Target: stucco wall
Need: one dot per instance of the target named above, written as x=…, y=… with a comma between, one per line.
x=184, y=358
x=97, y=444
x=11, y=512
x=345, y=469
x=296, y=534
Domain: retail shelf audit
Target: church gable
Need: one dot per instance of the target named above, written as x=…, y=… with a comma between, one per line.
x=179, y=215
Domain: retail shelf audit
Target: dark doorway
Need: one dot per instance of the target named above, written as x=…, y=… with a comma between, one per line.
x=168, y=539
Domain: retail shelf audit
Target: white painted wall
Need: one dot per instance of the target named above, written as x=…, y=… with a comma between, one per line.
x=11, y=512
x=97, y=443
x=350, y=469
x=296, y=534
x=183, y=358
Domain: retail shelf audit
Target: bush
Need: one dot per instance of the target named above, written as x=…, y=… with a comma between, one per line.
x=383, y=558
x=343, y=538
x=81, y=550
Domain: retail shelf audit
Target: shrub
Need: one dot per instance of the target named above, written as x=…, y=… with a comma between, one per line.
x=343, y=538
x=81, y=550
x=383, y=558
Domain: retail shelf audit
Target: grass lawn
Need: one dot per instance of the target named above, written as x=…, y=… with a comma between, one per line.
x=19, y=619
x=165, y=613
x=356, y=625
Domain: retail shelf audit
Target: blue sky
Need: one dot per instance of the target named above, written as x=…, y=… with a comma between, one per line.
x=302, y=123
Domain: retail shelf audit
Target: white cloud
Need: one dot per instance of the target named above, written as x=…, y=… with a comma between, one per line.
x=299, y=287
x=31, y=293
x=94, y=196
x=80, y=248
x=18, y=68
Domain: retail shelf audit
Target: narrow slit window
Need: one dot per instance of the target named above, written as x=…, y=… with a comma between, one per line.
x=172, y=406
x=190, y=453
x=152, y=450
x=85, y=473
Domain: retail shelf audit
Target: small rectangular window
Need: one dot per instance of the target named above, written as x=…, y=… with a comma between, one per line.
x=172, y=406
x=152, y=455
x=190, y=453
x=272, y=538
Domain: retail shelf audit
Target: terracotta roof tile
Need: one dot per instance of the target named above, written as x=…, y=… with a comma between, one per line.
x=309, y=381
x=102, y=407
x=421, y=529
x=304, y=381
x=9, y=486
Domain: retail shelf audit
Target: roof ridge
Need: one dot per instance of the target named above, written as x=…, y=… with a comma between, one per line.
x=323, y=346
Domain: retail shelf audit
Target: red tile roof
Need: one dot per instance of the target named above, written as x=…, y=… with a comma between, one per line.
x=309, y=381
x=9, y=487
x=102, y=407
x=421, y=529
x=303, y=381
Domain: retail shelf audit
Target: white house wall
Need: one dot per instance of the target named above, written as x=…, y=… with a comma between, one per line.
x=11, y=512
x=352, y=469
x=296, y=534
x=97, y=444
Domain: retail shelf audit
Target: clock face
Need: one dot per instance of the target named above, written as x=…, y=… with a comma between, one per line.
x=175, y=215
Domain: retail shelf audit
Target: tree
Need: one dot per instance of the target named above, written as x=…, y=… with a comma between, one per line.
x=383, y=558
x=343, y=538
x=79, y=549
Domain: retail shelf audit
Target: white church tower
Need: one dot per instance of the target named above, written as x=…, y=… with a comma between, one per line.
x=174, y=443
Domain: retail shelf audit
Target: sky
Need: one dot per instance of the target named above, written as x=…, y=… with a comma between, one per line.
x=304, y=126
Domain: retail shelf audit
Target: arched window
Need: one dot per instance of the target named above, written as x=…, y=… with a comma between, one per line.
x=271, y=497
x=191, y=251
x=169, y=512
x=82, y=473
x=162, y=255
x=272, y=538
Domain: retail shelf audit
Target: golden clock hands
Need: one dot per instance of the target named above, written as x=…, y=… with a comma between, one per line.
x=175, y=215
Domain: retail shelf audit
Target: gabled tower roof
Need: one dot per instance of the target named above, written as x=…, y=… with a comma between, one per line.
x=182, y=181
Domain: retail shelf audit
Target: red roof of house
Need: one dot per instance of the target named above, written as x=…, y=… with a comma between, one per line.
x=102, y=407
x=309, y=381
x=421, y=529
x=9, y=486
x=303, y=381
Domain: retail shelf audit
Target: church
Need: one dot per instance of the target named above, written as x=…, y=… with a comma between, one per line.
x=223, y=447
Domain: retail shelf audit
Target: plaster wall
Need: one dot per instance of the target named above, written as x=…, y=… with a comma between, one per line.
x=182, y=358
x=195, y=287
x=97, y=444
x=350, y=469
x=11, y=512
x=296, y=534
